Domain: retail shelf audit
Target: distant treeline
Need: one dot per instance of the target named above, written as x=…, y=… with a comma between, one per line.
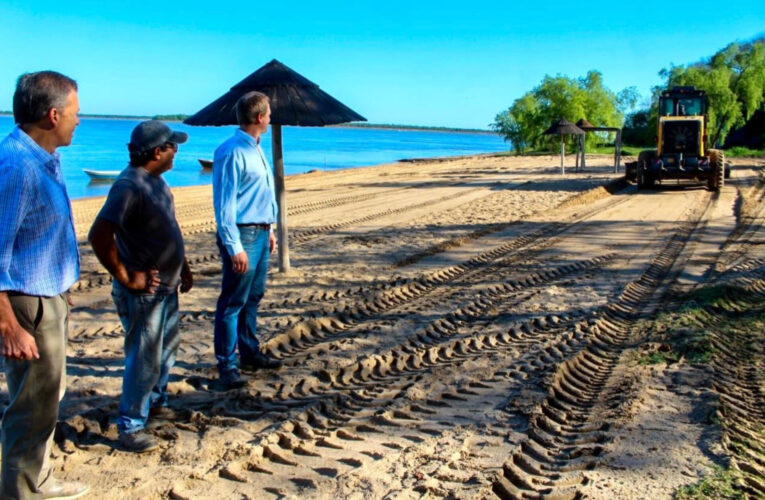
x=170, y=118
x=413, y=127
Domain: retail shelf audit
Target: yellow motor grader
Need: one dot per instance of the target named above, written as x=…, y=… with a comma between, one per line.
x=681, y=153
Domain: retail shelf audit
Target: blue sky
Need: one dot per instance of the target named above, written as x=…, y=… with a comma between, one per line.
x=406, y=62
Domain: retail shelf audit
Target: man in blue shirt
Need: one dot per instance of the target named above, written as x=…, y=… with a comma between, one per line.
x=39, y=262
x=137, y=238
x=245, y=208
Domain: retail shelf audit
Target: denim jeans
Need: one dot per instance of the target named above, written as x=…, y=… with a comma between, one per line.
x=236, y=314
x=151, y=342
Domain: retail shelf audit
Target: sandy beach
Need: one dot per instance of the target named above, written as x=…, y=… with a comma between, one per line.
x=454, y=328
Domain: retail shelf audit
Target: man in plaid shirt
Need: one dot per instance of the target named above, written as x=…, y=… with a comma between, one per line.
x=39, y=262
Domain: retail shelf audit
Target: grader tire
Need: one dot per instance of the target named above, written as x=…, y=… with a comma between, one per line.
x=644, y=180
x=717, y=167
x=643, y=176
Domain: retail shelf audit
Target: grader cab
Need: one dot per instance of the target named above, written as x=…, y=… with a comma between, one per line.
x=681, y=154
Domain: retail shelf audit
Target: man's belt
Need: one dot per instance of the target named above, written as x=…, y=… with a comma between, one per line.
x=255, y=224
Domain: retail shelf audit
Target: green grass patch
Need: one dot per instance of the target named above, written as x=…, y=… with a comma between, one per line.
x=657, y=358
x=601, y=150
x=680, y=334
x=683, y=334
x=720, y=485
x=680, y=344
x=741, y=152
x=530, y=152
x=606, y=149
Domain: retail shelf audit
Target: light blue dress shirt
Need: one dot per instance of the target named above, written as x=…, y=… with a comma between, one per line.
x=243, y=188
x=38, y=246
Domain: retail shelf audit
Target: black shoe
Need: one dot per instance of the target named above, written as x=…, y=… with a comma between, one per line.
x=260, y=361
x=139, y=442
x=231, y=380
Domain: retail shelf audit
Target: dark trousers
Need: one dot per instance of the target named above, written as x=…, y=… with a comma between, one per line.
x=36, y=388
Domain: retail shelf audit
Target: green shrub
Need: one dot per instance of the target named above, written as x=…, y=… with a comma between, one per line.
x=742, y=152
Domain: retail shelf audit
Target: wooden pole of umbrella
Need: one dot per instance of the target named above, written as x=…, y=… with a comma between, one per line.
x=282, y=234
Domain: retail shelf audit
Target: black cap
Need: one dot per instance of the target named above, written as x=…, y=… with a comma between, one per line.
x=153, y=133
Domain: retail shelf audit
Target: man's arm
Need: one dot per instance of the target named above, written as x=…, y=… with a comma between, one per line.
x=187, y=279
x=15, y=193
x=17, y=343
x=225, y=189
x=101, y=238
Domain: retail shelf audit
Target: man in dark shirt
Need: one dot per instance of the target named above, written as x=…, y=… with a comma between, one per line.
x=137, y=238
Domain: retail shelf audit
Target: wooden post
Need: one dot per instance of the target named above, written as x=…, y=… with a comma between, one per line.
x=583, y=139
x=578, y=150
x=562, y=155
x=281, y=199
x=617, y=150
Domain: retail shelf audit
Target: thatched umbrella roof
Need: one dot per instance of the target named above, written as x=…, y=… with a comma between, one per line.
x=562, y=127
x=294, y=99
x=584, y=124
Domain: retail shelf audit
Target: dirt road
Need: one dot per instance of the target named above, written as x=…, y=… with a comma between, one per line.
x=460, y=329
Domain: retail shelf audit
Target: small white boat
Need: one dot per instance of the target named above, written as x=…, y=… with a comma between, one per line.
x=102, y=175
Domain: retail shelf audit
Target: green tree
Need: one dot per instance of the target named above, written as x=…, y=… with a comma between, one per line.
x=734, y=79
x=627, y=99
x=519, y=124
x=558, y=97
x=639, y=129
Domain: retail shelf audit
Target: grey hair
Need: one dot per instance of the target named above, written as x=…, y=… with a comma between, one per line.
x=249, y=106
x=36, y=93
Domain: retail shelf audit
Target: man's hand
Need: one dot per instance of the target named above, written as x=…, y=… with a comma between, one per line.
x=239, y=262
x=101, y=237
x=187, y=279
x=142, y=281
x=19, y=344
x=271, y=242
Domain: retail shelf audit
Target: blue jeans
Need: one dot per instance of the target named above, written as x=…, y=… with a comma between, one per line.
x=236, y=314
x=151, y=342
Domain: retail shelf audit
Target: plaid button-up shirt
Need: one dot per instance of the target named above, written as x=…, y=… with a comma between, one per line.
x=38, y=246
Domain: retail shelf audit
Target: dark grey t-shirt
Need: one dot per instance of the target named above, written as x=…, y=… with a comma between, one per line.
x=148, y=236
